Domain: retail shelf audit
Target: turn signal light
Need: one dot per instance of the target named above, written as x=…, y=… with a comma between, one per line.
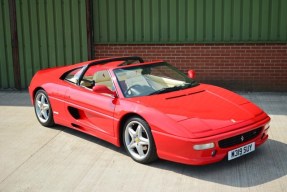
x=203, y=146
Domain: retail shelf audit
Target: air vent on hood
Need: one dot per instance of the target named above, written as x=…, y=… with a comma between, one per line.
x=173, y=97
x=196, y=92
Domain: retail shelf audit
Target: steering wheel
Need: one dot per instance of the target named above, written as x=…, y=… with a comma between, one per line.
x=132, y=90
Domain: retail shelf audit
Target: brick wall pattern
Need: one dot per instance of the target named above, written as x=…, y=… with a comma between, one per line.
x=241, y=67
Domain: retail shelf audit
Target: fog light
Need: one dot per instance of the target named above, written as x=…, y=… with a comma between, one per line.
x=203, y=146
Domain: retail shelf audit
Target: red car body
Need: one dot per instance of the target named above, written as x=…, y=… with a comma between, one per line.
x=178, y=120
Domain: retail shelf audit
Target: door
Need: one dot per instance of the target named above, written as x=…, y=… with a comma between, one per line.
x=87, y=110
x=91, y=111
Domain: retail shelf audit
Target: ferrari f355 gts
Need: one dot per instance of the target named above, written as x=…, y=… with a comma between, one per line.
x=151, y=108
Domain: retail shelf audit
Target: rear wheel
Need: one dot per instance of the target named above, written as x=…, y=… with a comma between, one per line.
x=138, y=140
x=43, y=109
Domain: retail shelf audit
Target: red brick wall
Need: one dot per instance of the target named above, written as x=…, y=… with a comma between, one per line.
x=248, y=67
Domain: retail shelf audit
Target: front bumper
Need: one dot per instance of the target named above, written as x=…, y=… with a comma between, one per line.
x=177, y=149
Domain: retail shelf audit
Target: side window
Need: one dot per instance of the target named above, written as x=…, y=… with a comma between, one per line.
x=87, y=81
x=94, y=77
x=73, y=76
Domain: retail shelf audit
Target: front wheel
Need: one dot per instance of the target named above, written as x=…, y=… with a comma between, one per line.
x=138, y=140
x=43, y=109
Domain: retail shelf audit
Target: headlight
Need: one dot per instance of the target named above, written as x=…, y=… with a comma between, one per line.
x=203, y=146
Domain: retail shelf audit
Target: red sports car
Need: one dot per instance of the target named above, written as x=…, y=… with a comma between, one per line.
x=151, y=108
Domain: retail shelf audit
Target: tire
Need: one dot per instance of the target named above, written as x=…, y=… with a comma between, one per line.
x=43, y=109
x=138, y=140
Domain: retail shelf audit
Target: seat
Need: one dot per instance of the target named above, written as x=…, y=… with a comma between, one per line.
x=103, y=78
x=135, y=78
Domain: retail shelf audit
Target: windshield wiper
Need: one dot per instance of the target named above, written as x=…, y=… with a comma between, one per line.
x=175, y=88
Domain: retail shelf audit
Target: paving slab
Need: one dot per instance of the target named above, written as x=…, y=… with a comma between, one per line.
x=35, y=158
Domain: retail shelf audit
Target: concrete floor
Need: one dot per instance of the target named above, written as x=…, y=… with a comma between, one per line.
x=34, y=158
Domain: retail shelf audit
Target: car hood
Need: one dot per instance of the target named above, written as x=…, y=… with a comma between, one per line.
x=203, y=108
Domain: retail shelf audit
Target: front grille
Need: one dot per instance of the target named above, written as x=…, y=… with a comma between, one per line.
x=238, y=139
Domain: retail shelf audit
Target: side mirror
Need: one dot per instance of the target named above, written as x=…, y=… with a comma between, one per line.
x=103, y=89
x=191, y=74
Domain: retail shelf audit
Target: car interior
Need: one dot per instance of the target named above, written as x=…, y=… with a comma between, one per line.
x=134, y=82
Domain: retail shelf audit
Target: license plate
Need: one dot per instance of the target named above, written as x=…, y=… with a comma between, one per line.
x=241, y=151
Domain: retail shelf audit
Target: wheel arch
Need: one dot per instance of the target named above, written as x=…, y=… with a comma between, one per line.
x=122, y=123
x=34, y=93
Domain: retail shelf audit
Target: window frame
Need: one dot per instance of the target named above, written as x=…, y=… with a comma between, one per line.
x=63, y=77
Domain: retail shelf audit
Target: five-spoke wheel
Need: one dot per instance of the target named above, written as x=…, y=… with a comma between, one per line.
x=138, y=140
x=43, y=108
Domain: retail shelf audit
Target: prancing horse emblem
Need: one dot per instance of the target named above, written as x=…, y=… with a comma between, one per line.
x=242, y=138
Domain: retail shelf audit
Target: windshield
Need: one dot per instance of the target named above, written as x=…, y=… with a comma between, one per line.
x=152, y=79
